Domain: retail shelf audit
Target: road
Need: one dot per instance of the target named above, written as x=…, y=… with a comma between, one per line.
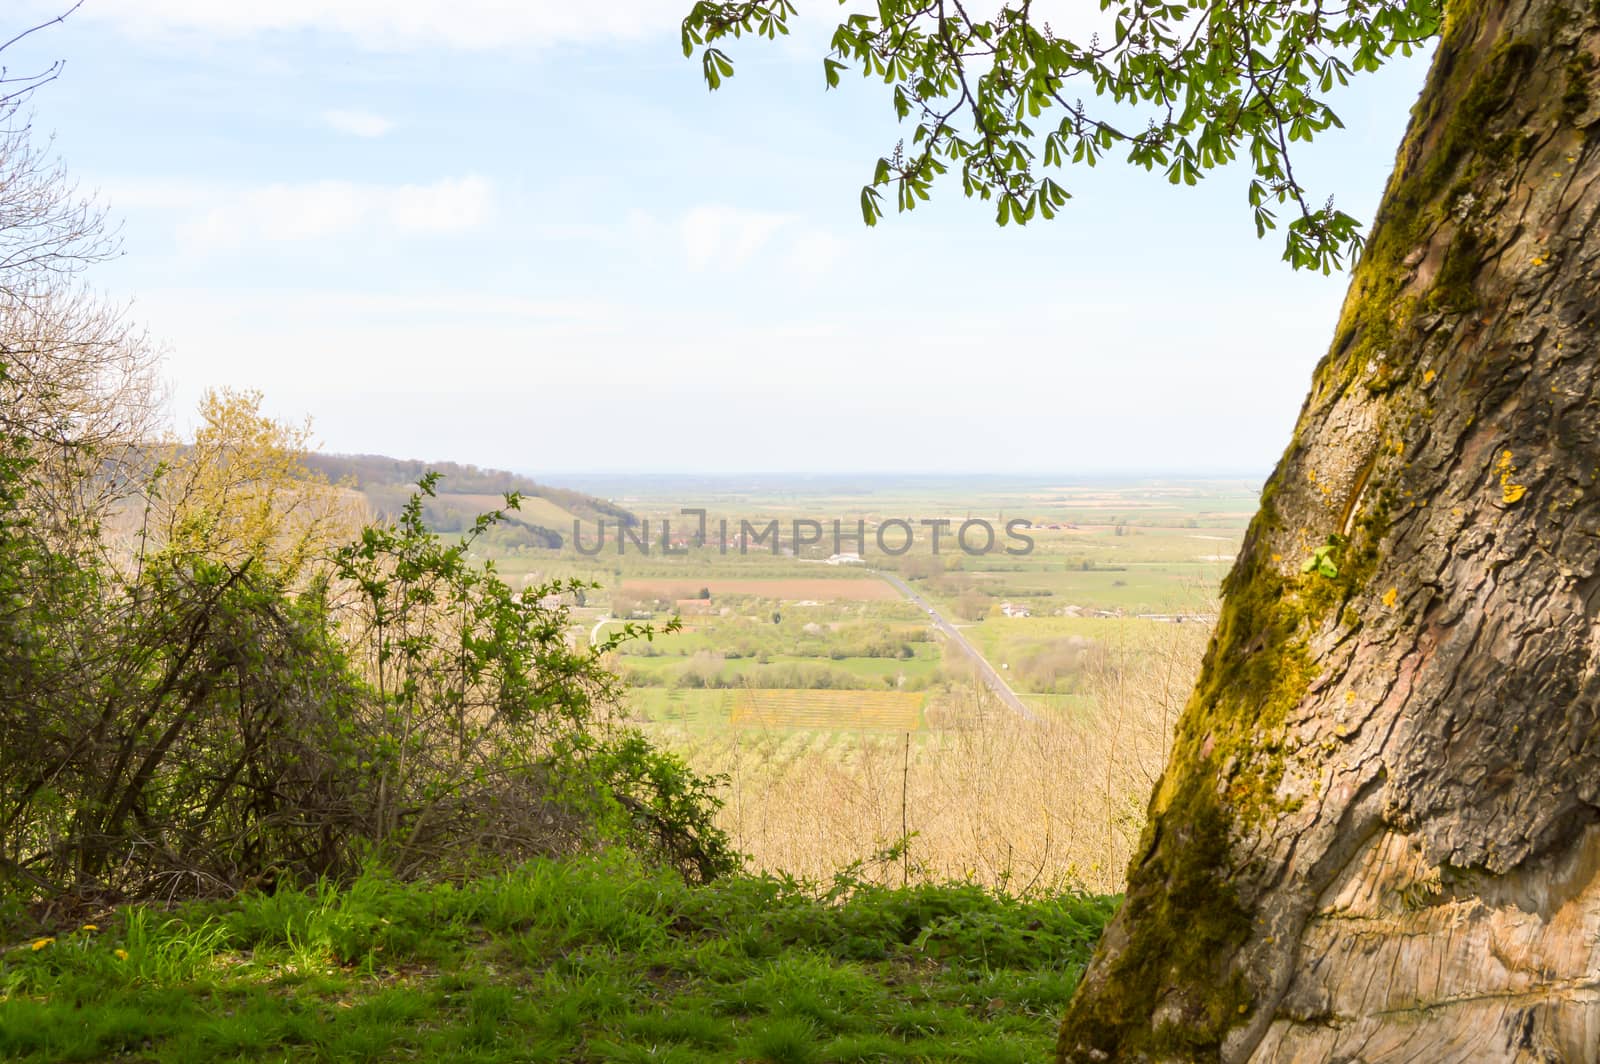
x=990, y=675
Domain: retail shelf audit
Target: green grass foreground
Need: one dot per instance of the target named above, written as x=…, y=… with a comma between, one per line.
x=572, y=961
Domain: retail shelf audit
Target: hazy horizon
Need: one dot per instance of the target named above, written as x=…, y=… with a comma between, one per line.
x=411, y=227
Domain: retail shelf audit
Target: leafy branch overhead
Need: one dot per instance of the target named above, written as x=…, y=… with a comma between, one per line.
x=1183, y=87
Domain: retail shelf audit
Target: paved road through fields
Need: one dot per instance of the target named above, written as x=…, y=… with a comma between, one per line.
x=990, y=675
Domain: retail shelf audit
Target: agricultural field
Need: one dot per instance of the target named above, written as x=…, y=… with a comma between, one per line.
x=774, y=633
x=532, y=508
x=841, y=715
x=828, y=710
x=865, y=589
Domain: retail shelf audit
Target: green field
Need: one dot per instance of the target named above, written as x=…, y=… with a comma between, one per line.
x=828, y=710
x=532, y=509
x=1120, y=563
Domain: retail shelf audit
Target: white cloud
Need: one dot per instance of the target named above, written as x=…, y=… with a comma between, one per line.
x=154, y=193
x=726, y=236
x=283, y=213
x=815, y=252
x=358, y=123
x=396, y=24
x=717, y=236
x=346, y=306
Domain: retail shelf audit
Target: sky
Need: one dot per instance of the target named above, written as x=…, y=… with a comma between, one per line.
x=523, y=234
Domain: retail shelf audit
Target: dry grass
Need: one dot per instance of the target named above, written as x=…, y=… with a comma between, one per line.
x=985, y=795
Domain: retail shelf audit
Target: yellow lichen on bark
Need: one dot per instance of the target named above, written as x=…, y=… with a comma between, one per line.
x=1510, y=492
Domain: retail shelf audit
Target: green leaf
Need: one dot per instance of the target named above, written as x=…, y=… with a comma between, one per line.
x=1322, y=562
x=1194, y=65
x=871, y=210
x=717, y=66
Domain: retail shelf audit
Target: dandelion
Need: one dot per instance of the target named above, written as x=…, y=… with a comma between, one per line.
x=90, y=927
x=41, y=943
x=120, y=954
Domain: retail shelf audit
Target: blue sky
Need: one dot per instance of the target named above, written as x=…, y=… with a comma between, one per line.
x=522, y=233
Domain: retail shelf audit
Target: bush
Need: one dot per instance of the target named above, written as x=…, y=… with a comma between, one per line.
x=200, y=689
x=203, y=725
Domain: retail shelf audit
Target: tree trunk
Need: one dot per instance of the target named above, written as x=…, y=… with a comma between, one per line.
x=1377, y=837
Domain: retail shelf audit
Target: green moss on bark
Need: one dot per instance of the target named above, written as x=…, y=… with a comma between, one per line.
x=1429, y=190
x=1575, y=100
x=1180, y=932
x=1172, y=989
x=1452, y=293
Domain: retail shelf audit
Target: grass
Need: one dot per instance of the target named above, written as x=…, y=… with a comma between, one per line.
x=1137, y=587
x=592, y=959
x=693, y=708
x=1068, y=707
x=534, y=509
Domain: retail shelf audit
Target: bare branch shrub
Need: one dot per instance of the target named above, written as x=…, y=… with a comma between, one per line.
x=1025, y=806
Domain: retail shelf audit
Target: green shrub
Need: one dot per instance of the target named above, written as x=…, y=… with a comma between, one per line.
x=204, y=725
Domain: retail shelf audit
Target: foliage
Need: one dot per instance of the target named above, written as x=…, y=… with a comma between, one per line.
x=1323, y=561
x=478, y=683
x=590, y=958
x=241, y=490
x=238, y=705
x=1183, y=87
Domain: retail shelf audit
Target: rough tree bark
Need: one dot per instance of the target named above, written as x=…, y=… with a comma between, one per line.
x=1378, y=837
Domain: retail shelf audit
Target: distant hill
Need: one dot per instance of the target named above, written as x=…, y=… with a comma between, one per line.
x=465, y=491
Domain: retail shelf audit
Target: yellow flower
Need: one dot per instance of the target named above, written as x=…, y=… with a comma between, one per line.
x=41, y=943
x=120, y=954
x=90, y=927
